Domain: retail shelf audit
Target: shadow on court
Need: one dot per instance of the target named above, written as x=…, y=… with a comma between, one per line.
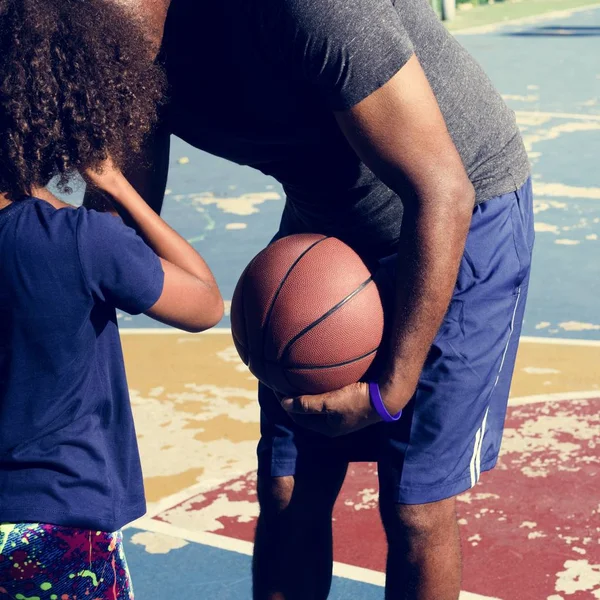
x=557, y=31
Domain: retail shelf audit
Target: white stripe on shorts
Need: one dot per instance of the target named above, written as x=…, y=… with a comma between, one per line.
x=472, y=465
x=478, y=457
x=512, y=328
x=475, y=465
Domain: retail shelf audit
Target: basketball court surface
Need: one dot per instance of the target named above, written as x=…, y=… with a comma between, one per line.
x=530, y=528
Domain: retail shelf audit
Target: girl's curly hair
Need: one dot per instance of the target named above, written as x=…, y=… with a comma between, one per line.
x=77, y=84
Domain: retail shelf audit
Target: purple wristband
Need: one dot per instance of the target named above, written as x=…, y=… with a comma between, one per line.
x=379, y=406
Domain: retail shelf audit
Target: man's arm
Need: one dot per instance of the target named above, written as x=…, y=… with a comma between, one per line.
x=400, y=134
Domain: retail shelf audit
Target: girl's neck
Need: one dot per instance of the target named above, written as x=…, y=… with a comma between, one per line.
x=4, y=201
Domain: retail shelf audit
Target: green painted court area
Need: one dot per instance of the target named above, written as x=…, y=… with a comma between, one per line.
x=476, y=14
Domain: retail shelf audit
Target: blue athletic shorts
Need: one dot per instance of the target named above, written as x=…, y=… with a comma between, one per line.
x=451, y=430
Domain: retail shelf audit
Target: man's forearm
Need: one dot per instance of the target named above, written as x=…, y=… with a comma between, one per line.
x=429, y=255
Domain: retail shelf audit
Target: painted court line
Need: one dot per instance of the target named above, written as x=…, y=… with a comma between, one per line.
x=227, y=331
x=170, y=331
x=242, y=547
x=155, y=508
x=566, y=192
x=524, y=400
x=557, y=115
x=493, y=27
x=558, y=341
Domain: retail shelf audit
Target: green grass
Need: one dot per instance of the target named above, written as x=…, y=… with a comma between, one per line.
x=489, y=14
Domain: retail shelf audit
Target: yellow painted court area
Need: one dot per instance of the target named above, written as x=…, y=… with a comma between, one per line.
x=197, y=415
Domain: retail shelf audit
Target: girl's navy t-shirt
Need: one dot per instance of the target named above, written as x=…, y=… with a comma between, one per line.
x=68, y=449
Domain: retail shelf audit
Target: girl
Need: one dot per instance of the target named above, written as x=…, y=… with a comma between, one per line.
x=77, y=86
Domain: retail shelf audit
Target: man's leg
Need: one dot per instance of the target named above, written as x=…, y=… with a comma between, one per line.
x=451, y=431
x=424, y=561
x=293, y=547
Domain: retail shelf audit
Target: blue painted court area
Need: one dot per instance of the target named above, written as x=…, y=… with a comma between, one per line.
x=204, y=572
x=549, y=73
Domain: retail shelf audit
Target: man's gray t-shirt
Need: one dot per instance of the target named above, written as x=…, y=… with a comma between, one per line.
x=256, y=81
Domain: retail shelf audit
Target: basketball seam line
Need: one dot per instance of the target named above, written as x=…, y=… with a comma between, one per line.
x=245, y=346
x=315, y=367
x=286, y=376
x=237, y=339
x=322, y=318
x=278, y=291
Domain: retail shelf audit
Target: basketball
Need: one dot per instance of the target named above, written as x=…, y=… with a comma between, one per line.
x=306, y=315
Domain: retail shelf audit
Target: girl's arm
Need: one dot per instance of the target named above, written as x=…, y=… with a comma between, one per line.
x=190, y=298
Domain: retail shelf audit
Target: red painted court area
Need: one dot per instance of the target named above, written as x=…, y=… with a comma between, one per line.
x=529, y=528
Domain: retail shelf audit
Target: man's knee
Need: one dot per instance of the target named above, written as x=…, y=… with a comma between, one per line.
x=275, y=494
x=309, y=494
x=410, y=524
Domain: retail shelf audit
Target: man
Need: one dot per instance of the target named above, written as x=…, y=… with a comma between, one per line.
x=384, y=132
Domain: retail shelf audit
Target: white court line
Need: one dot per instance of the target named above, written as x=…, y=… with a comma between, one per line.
x=555, y=14
x=242, y=547
x=227, y=331
x=206, y=485
x=558, y=341
x=171, y=331
x=538, y=398
x=557, y=115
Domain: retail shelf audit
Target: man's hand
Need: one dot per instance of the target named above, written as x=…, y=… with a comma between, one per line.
x=334, y=413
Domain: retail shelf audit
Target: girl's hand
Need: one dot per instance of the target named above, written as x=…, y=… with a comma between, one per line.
x=106, y=178
x=108, y=181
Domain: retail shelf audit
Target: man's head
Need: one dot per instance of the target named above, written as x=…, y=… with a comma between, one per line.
x=77, y=83
x=151, y=15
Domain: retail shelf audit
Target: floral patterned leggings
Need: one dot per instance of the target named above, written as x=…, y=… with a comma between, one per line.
x=48, y=562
